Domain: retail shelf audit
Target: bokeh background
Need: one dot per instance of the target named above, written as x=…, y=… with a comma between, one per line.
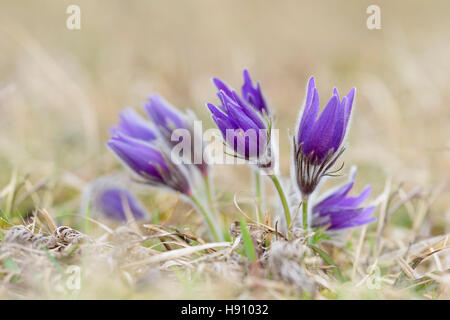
x=60, y=89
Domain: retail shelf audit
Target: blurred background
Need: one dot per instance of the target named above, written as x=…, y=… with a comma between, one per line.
x=61, y=89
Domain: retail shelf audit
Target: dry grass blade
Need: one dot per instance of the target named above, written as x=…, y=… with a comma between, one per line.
x=430, y=250
x=416, y=259
x=416, y=249
x=178, y=253
x=47, y=219
x=358, y=251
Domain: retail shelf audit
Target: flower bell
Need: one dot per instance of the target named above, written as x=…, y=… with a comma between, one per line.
x=167, y=119
x=115, y=203
x=318, y=139
x=244, y=121
x=133, y=125
x=250, y=93
x=339, y=211
x=150, y=163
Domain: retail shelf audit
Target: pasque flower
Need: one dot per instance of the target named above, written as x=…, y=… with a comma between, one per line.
x=244, y=120
x=167, y=119
x=109, y=197
x=150, y=162
x=165, y=116
x=249, y=93
x=318, y=139
x=337, y=210
x=133, y=125
x=246, y=125
x=116, y=203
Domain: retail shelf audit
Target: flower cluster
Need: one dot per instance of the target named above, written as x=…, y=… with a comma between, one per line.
x=145, y=148
x=245, y=122
x=317, y=145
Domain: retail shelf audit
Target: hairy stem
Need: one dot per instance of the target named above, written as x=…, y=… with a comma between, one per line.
x=210, y=198
x=258, y=195
x=209, y=195
x=283, y=199
x=305, y=213
x=209, y=219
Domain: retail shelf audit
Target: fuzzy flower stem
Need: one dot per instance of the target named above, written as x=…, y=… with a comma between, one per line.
x=258, y=195
x=283, y=199
x=209, y=195
x=209, y=192
x=209, y=219
x=305, y=214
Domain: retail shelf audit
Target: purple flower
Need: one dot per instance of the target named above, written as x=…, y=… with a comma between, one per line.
x=115, y=203
x=318, y=139
x=150, y=162
x=167, y=119
x=243, y=121
x=250, y=93
x=340, y=211
x=165, y=116
x=133, y=125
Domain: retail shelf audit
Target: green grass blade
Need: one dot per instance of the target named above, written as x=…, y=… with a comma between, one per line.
x=328, y=260
x=248, y=243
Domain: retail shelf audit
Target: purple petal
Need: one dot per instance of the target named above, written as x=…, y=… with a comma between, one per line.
x=139, y=156
x=164, y=114
x=221, y=86
x=310, y=111
x=322, y=135
x=114, y=202
x=216, y=111
x=308, y=120
x=341, y=211
x=337, y=195
x=362, y=218
x=133, y=125
x=356, y=201
x=339, y=129
x=249, y=111
x=240, y=117
x=348, y=106
x=336, y=93
x=253, y=95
